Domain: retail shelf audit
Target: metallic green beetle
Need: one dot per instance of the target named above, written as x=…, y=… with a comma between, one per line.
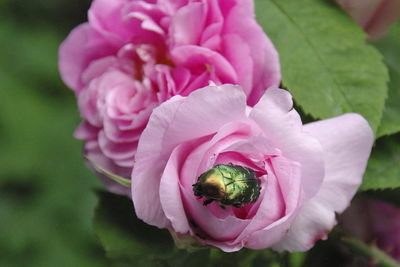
x=229, y=185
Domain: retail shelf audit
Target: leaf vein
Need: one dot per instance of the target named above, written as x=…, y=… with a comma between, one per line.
x=320, y=58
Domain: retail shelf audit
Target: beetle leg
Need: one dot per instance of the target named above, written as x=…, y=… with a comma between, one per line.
x=207, y=201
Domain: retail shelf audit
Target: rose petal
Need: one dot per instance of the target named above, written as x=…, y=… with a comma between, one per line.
x=210, y=104
x=170, y=195
x=216, y=229
x=197, y=59
x=145, y=180
x=347, y=142
x=237, y=52
x=262, y=235
x=82, y=46
x=106, y=17
x=187, y=24
x=266, y=67
x=282, y=125
x=375, y=16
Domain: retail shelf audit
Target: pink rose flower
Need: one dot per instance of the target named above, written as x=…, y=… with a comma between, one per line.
x=307, y=173
x=134, y=54
x=374, y=221
x=375, y=16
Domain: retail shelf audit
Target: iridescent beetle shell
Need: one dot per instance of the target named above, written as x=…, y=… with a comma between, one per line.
x=229, y=185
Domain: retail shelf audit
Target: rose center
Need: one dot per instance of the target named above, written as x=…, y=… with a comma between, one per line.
x=229, y=185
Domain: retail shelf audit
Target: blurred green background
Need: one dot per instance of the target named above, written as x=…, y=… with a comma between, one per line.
x=46, y=193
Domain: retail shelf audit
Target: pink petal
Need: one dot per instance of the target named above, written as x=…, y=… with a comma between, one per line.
x=171, y=6
x=114, y=150
x=86, y=131
x=172, y=123
x=170, y=195
x=198, y=81
x=196, y=59
x=93, y=152
x=387, y=14
x=82, y=46
x=266, y=67
x=237, y=52
x=360, y=10
x=216, y=105
x=203, y=157
x=375, y=16
x=216, y=229
x=145, y=179
x=105, y=16
x=347, y=141
x=187, y=24
x=282, y=125
x=287, y=175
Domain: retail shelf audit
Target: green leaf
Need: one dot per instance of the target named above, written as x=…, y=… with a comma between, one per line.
x=383, y=170
x=325, y=61
x=390, y=48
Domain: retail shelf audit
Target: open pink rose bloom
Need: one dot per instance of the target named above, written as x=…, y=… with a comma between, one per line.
x=375, y=16
x=306, y=173
x=133, y=55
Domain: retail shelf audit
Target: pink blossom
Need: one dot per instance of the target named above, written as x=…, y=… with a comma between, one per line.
x=375, y=16
x=375, y=221
x=307, y=173
x=133, y=55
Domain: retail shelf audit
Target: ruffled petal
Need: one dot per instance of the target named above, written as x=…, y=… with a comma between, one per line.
x=200, y=59
x=347, y=141
x=172, y=123
x=82, y=46
x=187, y=24
x=150, y=163
x=282, y=125
x=216, y=105
x=265, y=59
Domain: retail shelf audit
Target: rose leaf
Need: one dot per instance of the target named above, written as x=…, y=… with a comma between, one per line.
x=326, y=63
x=383, y=170
x=389, y=46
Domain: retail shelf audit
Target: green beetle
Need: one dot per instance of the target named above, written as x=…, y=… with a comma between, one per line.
x=229, y=185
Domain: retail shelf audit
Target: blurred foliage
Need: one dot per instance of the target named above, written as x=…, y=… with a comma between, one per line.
x=61, y=15
x=128, y=240
x=389, y=46
x=387, y=195
x=46, y=196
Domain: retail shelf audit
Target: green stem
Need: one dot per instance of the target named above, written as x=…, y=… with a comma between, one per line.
x=381, y=258
x=121, y=180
